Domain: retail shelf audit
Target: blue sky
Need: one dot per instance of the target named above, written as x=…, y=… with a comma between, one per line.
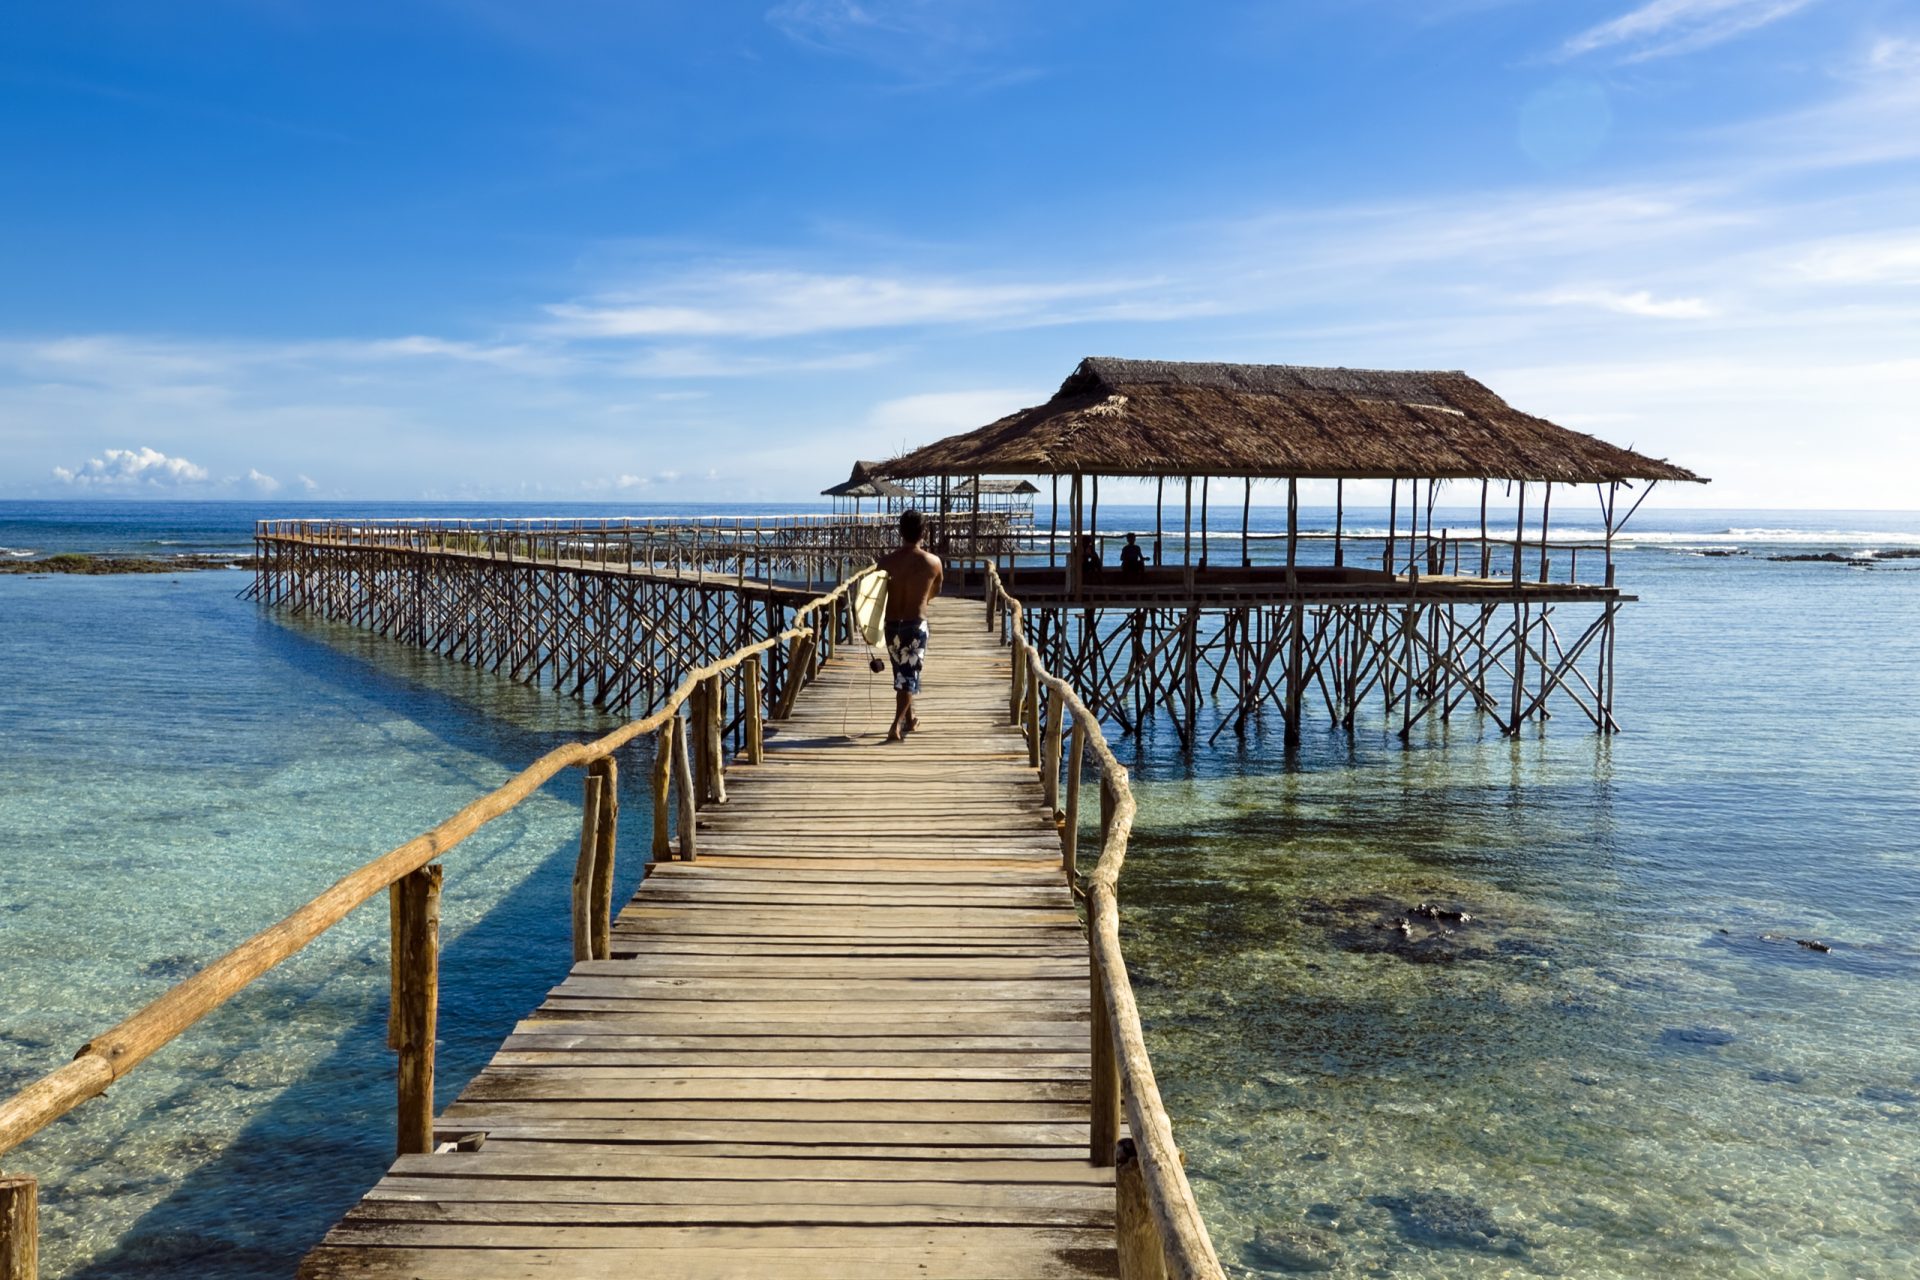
x=647, y=251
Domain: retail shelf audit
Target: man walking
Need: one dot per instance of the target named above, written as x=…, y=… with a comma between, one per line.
x=914, y=575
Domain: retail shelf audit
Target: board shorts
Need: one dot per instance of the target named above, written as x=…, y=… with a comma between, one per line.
x=907, y=650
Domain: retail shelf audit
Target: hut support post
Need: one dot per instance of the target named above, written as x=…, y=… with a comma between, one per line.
x=1393, y=521
x=1546, y=505
x=1053, y=530
x=1159, y=500
x=19, y=1227
x=1186, y=541
x=415, y=899
x=1246, y=513
x=1339, y=520
x=1206, y=483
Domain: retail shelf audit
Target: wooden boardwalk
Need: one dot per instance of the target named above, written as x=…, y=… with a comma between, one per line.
x=850, y=1040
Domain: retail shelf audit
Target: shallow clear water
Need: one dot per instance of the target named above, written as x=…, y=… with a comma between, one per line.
x=1558, y=1099
x=1604, y=1082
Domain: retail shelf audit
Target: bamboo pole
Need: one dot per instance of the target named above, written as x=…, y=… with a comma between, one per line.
x=1050, y=762
x=1103, y=1122
x=418, y=962
x=1159, y=498
x=19, y=1227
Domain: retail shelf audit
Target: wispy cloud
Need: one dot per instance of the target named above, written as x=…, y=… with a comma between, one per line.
x=132, y=468
x=1663, y=28
x=1637, y=303
x=923, y=43
x=941, y=412
x=1891, y=258
x=782, y=304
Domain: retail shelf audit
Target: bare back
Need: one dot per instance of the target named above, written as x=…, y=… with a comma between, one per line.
x=914, y=575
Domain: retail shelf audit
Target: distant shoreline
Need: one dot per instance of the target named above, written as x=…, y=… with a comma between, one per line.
x=101, y=566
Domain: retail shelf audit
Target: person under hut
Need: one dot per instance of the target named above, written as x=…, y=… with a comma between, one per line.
x=1091, y=569
x=1133, y=561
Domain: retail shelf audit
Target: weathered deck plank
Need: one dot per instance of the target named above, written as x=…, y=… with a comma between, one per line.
x=850, y=1040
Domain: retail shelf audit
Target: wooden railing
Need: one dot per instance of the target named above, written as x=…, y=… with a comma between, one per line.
x=688, y=773
x=1161, y=1233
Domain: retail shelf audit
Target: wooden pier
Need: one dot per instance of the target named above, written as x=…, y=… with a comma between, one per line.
x=849, y=1040
x=852, y=1023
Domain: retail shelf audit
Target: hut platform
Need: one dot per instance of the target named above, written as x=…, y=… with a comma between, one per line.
x=851, y=1039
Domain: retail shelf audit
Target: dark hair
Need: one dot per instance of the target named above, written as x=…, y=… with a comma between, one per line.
x=912, y=525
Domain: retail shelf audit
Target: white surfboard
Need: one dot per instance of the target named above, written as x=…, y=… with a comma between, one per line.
x=870, y=606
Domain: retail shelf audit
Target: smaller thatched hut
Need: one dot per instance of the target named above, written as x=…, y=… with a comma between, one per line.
x=864, y=484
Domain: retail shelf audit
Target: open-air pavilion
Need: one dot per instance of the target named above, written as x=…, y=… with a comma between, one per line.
x=1419, y=615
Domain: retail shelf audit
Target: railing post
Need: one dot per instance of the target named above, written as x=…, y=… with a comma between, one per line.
x=1019, y=685
x=715, y=729
x=592, y=790
x=1103, y=1120
x=1050, y=763
x=662, y=777
x=416, y=960
x=1033, y=714
x=1070, y=824
x=1137, y=1238
x=607, y=838
x=700, y=744
x=750, y=697
x=683, y=778
x=19, y=1227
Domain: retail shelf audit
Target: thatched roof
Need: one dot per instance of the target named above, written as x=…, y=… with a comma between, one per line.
x=1154, y=417
x=997, y=486
x=865, y=482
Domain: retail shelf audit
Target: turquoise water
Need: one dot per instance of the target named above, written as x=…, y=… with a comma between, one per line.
x=1628, y=1067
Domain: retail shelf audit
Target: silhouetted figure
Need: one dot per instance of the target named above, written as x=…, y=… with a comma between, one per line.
x=1133, y=561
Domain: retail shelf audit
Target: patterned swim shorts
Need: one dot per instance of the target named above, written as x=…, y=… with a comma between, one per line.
x=907, y=648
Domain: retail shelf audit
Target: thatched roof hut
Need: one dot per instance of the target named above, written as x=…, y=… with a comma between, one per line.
x=866, y=481
x=996, y=487
x=1163, y=418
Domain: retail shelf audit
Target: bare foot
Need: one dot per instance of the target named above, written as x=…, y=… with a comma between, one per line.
x=893, y=733
x=913, y=722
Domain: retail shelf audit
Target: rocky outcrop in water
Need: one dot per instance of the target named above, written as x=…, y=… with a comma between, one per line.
x=1419, y=932
x=96, y=566
x=1448, y=1220
x=1297, y=1250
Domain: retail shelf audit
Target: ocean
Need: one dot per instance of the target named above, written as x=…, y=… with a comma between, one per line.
x=1629, y=1068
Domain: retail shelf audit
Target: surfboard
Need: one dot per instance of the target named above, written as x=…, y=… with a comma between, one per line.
x=870, y=606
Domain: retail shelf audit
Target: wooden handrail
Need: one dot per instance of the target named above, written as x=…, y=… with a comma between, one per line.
x=1149, y=1160
x=111, y=1055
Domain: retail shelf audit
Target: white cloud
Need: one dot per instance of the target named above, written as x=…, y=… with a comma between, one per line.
x=1874, y=259
x=779, y=304
x=944, y=412
x=1663, y=28
x=262, y=482
x=128, y=468
x=1637, y=303
x=306, y=483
